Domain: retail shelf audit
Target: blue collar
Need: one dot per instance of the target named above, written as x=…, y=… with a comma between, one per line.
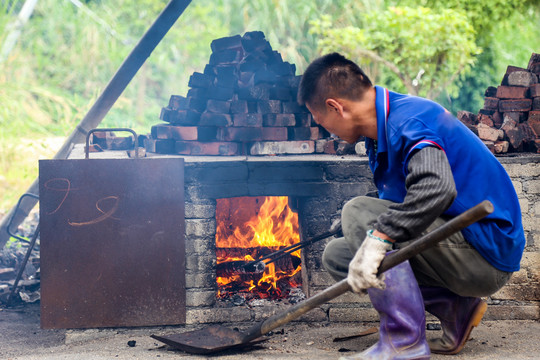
x=382, y=107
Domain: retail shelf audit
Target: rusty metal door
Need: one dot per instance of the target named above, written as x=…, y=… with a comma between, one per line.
x=112, y=242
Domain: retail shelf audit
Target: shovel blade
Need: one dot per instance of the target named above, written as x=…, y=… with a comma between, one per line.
x=205, y=341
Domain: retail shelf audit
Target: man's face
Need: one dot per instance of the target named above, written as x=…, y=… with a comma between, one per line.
x=333, y=120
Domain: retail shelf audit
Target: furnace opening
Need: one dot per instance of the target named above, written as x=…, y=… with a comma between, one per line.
x=249, y=229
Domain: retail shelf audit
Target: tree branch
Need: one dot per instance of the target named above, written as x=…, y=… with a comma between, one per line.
x=393, y=67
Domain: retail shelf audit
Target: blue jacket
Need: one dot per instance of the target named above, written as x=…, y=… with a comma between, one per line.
x=406, y=123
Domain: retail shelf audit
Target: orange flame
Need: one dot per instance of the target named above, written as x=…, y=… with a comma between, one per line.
x=274, y=225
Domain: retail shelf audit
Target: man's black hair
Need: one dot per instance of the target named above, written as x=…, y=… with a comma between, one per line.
x=332, y=75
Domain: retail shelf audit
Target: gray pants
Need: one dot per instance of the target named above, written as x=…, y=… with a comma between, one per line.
x=453, y=263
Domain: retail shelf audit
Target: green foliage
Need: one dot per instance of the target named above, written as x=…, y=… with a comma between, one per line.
x=425, y=49
x=507, y=33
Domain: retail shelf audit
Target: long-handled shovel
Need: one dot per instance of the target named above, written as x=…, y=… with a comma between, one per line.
x=217, y=338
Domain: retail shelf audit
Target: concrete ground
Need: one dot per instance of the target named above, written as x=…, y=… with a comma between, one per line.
x=22, y=339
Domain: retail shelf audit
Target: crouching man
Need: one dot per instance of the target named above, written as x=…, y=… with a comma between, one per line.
x=428, y=167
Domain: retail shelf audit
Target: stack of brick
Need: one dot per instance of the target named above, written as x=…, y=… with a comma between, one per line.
x=244, y=103
x=510, y=118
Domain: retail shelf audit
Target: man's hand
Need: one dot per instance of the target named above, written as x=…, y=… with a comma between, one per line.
x=363, y=267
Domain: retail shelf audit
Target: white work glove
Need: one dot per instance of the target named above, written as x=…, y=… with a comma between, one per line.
x=363, y=267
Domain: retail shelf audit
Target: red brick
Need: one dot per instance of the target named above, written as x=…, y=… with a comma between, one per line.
x=206, y=133
x=240, y=134
x=264, y=76
x=485, y=119
x=280, y=93
x=206, y=148
x=226, y=43
x=486, y=111
x=199, y=80
x=491, y=103
x=508, y=124
x=269, y=107
x=330, y=147
x=197, y=93
x=159, y=146
x=467, y=117
x=282, y=147
x=536, y=103
x=516, y=116
x=511, y=92
x=279, y=120
x=299, y=133
x=303, y=133
x=534, y=90
x=527, y=132
x=259, y=92
x=490, y=145
x=535, y=146
x=218, y=106
x=197, y=104
x=485, y=132
x=303, y=119
x=177, y=102
x=211, y=119
x=501, y=147
x=174, y=132
x=231, y=56
x=533, y=59
x=315, y=133
x=491, y=91
x=344, y=148
x=246, y=134
x=515, y=137
x=179, y=117
x=522, y=78
x=274, y=133
x=239, y=107
x=535, y=68
x=240, y=120
x=291, y=107
x=497, y=119
x=515, y=105
x=510, y=69
x=534, y=122
x=220, y=93
x=534, y=115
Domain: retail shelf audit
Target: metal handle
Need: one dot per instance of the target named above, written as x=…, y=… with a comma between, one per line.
x=135, y=139
x=13, y=216
x=428, y=240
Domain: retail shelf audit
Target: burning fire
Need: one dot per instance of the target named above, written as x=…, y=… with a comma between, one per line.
x=249, y=228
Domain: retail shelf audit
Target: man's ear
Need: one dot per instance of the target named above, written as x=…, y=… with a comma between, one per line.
x=334, y=105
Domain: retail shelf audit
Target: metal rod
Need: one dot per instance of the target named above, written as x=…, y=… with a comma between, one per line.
x=292, y=248
x=106, y=100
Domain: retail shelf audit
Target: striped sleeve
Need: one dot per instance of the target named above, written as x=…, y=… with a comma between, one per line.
x=430, y=191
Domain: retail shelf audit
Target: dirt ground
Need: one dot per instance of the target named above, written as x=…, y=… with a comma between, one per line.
x=21, y=338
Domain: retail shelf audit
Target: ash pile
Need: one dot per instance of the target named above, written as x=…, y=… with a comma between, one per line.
x=12, y=260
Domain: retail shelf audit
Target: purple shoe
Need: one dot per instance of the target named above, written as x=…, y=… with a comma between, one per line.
x=458, y=316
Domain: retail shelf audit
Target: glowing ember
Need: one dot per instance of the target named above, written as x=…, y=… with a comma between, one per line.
x=249, y=228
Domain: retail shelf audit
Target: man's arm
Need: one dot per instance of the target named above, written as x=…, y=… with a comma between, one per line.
x=430, y=191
